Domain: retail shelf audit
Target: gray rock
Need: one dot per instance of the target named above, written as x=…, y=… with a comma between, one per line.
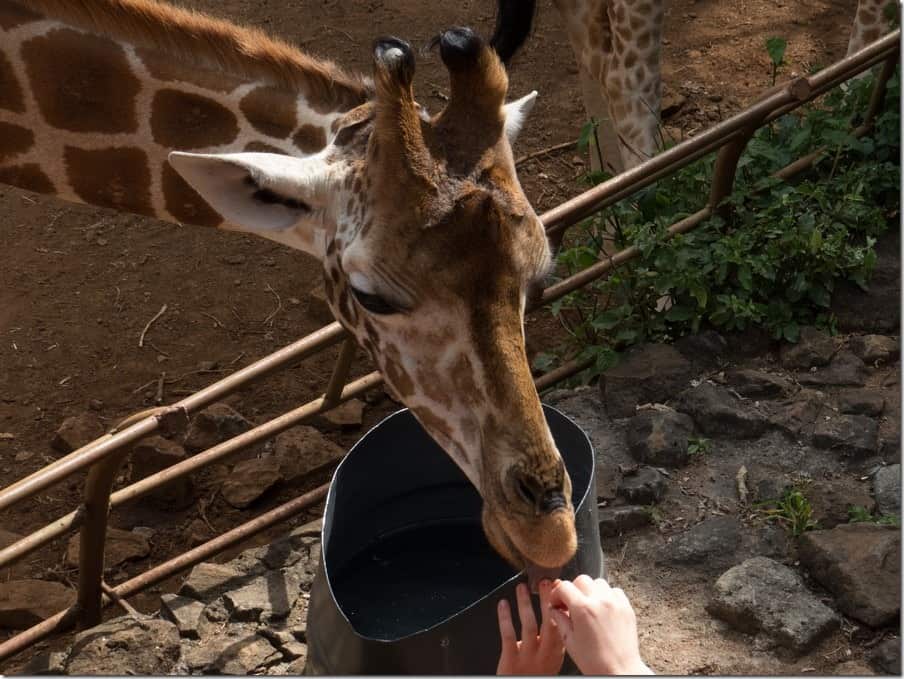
x=718, y=412
x=286, y=642
x=860, y=563
x=120, y=546
x=125, y=646
x=76, y=432
x=750, y=342
x=303, y=451
x=813, y=348
x=621, y=519
x=855, y=434
x=659, y=437
x=712, y=542
x=348, y=415
x=762, y=595
x=845, y=370
x=645, y=486
x=24, y=603
x=299, y=665
x=184, y=612
x=831, y=500
x=652, y=373
x=861, y=402
x=246, y=656
x=209, y=580
x=48, y=662
x=887, y=489
x=154, y=454
x=875, y=348
x=758, y=384
x=268, y=597
x=796, y=416
x=703, y=349
x=249, y=480
x=235, y=652
x=213, y=425
x=886, y=657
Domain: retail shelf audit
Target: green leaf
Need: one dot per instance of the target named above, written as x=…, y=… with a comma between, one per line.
x=586, y=135
x=791, y=332
x=679, y=313
x=745, y=277
x=776, y=48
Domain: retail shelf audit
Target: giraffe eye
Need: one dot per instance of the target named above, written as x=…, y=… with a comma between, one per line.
x=373, y=303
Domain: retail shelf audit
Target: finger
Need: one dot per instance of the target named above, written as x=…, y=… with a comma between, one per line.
x=585, y=584
x=506, y=628
x=526, y=613
x=565, y=595
x=550, y=639
x=562, y=621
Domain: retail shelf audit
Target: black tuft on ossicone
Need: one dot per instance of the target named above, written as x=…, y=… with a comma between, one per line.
x=459, y=47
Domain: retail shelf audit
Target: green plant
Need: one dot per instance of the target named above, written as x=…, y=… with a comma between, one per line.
x=858, y=514
x=772, y=256
x=698, y=446
x=793, y=511
x=776, y=49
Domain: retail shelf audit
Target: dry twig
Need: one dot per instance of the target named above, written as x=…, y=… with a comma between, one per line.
x=269, y=319
x=150, y=322
x=543, y=152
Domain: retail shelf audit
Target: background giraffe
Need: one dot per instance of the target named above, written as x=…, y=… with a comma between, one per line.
x=617, y=46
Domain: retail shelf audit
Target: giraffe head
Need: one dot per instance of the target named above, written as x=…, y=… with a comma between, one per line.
x=430, y=251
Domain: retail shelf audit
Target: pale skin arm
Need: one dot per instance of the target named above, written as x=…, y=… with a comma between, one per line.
x=597, y=626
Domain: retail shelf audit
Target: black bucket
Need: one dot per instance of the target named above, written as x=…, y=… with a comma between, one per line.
x=407, y=583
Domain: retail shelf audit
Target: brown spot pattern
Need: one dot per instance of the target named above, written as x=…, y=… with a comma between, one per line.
x=14, y=140
x=114, y=177
x=184, y=203
x=261, y=147
x=309, y=138
x=164, y=67
x=29, y=177
x=12, y=15
x=181, y=120
x=270, y=111
x=10, y=93
x=81, y=82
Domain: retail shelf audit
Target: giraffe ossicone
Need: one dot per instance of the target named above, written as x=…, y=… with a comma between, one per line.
x=429, y=246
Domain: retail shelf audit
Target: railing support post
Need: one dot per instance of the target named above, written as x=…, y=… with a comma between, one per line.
x=340, y=372
x=879, y=88
x=93, y=538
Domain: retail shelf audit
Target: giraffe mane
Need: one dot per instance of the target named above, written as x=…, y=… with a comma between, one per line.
x=218, y=44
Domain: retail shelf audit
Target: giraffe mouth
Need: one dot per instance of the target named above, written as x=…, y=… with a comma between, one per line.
x=536, y=574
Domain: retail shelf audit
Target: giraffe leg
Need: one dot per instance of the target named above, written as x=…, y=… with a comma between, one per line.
x=870, y=23
x=632, y=77
x=587, y=23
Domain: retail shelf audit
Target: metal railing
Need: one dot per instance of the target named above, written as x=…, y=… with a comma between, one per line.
x=104, y=456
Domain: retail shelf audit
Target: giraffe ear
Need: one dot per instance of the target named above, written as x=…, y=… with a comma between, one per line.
x=516, y=113
x=275, y=196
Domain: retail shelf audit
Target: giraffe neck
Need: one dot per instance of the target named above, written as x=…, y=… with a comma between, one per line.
x=92, y=101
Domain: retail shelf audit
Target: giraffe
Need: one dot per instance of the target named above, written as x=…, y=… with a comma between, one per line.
x=428, y=244
x=617, y=46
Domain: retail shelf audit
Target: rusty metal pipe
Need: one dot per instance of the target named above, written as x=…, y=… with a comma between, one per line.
x=94, y=538
x=340, y=371
x=91, y=453
x=65, y=619
x=71, y=521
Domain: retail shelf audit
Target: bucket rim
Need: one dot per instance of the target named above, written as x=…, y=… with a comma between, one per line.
x=330, y=499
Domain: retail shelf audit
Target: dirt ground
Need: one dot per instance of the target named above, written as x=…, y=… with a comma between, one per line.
x=78, y=284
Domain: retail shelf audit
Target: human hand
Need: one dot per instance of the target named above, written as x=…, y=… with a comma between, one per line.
x=597, y=626
x=541, y=653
